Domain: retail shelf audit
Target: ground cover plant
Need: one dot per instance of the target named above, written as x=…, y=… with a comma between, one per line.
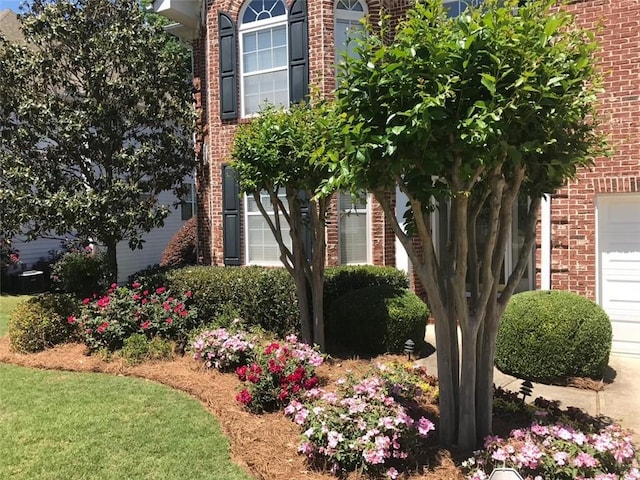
x=62, y=425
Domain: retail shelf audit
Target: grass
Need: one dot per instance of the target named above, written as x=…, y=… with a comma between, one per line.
x=62, y=425
x=7, y=304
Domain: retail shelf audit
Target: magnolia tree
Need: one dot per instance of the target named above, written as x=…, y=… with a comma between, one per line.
x=468, y=113
x=275, y=155
x=97, y=121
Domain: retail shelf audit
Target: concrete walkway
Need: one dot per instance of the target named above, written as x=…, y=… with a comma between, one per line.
x=619, y=400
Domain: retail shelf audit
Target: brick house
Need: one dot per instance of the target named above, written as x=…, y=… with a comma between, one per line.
x=247, y=50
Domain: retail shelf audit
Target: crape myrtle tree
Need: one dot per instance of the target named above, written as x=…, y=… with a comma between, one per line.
x=275, y=154
x=468, y=112
x=100, y=121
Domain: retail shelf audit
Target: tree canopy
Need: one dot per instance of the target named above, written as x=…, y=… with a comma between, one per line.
x=97, y=121
x=465, y=115
x=273, y=154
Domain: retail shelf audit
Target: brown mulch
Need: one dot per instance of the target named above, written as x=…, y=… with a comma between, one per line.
x=265, y=445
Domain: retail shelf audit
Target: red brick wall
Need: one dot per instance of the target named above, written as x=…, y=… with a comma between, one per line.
x=218, y=135
x=574, y=207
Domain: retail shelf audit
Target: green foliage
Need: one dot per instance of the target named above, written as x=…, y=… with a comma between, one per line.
x=100, y=121
x=81, y=274
x=43, y=321
x=138, y=347
x=107, y=321
x=345, y=278
x=151, y=277
x=552, y=335
x=377, y=319
x=261, y=296
x=181, y=249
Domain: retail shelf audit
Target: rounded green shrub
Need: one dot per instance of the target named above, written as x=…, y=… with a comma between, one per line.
x=547, y=336
x=340, y=280
x=377, y=319
x=43, y=321
x=264, y=297
x=81, y=274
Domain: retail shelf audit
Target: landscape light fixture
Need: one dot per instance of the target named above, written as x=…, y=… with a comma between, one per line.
x=505, y=474
x=526, y=389
x=409, y=347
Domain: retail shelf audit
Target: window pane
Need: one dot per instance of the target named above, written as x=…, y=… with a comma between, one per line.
x=279, y=37
x=353, y=229
x=264, y=60
x=270, y=87
x=263, y=10
x=249, y=42
x=261, y=244
x=250, y=62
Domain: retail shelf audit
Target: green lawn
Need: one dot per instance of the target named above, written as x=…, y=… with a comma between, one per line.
x=62, y=425
x=7, y=304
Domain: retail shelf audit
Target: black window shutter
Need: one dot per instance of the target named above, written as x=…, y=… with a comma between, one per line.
x=228, y=67
x=231, y=217
x=298, y=52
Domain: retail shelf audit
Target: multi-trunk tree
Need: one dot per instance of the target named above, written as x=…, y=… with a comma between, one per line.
x=465, y=115
x=97, y=121
x=276, y=154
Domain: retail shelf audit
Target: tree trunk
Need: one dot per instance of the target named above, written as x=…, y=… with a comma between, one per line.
x=306, y=323
x=467, y=431
x=484, y=373
x=112, y=261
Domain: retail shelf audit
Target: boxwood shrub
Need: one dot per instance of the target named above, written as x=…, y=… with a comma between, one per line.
x=547, y=336
x=42, y=321
x=261, y=296
x=346, y=278
x=377, y=319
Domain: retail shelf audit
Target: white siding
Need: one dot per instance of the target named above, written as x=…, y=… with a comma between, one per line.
x=130, y=261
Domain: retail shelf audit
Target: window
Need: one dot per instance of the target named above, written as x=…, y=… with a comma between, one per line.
x=261, y=246
x=264, y=60
x=516, y=240
x=347, y=21
x=456, y=7
x=353, y=229
x=188, y=203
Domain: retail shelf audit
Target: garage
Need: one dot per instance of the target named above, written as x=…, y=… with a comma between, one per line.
x=618, y=221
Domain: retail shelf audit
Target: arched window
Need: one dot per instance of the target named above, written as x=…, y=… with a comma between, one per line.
x=264, y=59
x=347, y=21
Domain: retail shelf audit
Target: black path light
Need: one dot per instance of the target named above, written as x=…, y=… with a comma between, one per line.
x=526, y=389
x=409, y=347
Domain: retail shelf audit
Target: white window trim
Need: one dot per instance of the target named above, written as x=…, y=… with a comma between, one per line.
x=367, y=212
x=252, y=27
x=246, y=215
x=349, y=15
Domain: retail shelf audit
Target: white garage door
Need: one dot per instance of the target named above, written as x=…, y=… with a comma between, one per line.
x=619, y=268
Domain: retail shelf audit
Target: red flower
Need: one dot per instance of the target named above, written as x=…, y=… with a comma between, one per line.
x=169, y=320
x=136, y=297
x=188, y=294
x=145, y=301
x=135, y=285
x=296, y=388
x=311, y=383
x=114, y=286
x=160, y=290
x=242, y=372
x=145, y=293
x=86, y=301
x=166, y=307
x=244, y=397
x=71, y=320
x=103, y=302
x=103, y=326
x=283, y=395
x=184, y=313
x=145, y=325
x=272, y=348
x=274, y=367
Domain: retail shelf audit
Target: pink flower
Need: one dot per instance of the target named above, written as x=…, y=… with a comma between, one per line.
x=71, y=320
x=145, y=293
x=169, y=320
x=188, y=294
x=584, y=460
x=424, y=427
x=392, y=473
x=145, y=325
x=86, y=301
x=114, y=286
x=160, y=290
x=103, y=326
x=135, y=285
x=103, y=302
